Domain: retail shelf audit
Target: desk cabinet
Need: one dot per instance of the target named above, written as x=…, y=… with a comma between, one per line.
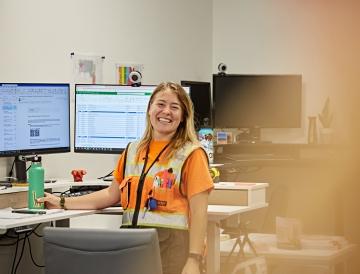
x=13, y=199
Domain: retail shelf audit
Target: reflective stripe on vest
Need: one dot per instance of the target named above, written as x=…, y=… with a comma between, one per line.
x=157, y=219
x=161, y=184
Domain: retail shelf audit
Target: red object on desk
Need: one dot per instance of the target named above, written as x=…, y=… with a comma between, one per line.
x=78, y=174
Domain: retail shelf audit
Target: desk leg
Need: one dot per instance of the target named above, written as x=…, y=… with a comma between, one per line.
x=213, y=248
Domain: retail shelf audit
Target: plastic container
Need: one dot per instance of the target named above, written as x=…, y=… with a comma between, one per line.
x=206, y=138
x=36, y=183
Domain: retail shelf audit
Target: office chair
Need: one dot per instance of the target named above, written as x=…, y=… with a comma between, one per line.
x=94, y=251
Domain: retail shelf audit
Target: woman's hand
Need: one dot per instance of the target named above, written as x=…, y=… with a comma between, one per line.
x=191, y=267
x=50, y=200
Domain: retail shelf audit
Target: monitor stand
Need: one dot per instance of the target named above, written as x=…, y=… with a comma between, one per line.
x=20, y=169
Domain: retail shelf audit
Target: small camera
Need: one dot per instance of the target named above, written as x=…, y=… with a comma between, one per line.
x=135, y=78
x=222, y=68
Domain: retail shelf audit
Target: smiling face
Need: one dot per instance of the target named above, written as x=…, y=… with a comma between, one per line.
x=165, y=115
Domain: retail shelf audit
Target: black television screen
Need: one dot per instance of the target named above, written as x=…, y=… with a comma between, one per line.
x=257, y=101
x=35, y=119
x=108, y=117
x=200, y=94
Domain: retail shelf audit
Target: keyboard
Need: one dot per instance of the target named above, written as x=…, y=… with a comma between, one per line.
x=82, y=190
x=76, y=194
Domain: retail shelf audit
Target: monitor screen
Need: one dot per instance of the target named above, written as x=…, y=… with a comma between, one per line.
x=200, y=94
x=35, y=119
x=108, y=117
x=257, y=101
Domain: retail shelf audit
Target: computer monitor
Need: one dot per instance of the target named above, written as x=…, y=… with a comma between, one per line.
x=35, y=119
x=93, y=251
x=200, y=94
x=108, y=117
x=257, y=101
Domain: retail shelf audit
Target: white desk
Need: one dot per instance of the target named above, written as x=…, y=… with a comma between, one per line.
x=66, y=214
x=16, y=196
x=308, y=256
x=6, y=224
x=216, y=213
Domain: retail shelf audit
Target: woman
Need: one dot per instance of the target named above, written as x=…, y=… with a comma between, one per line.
x=162, y=181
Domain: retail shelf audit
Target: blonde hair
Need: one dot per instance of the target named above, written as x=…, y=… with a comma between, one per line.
x=186, y=129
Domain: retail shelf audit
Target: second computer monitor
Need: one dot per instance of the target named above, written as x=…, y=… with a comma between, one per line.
x=108, y=117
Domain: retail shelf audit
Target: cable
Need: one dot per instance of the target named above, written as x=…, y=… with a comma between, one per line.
x=9, y=244
x=18, y=240
x=21, y=254
x=12, y=168
x=38, y=235
x=15, y=255
x=64, y=192
x=109, y=174
x=33, y=231
x=28, y=240
x=31, y=255
x=9, y=178
x=10, y=236
x=59, y=192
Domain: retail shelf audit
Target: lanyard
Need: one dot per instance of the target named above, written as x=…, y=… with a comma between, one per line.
x=141, y=182
x=143, y=172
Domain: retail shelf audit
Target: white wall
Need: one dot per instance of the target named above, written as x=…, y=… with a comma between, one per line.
x=37, y=38
x=318, y=39
x=178, y=40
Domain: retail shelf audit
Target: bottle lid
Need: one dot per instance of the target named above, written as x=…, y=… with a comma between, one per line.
x=36, y=159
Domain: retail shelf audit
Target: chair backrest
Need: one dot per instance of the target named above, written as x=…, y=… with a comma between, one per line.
x=94, y=251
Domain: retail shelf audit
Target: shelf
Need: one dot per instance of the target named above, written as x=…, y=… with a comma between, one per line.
x=292, y=145
x=272, y=154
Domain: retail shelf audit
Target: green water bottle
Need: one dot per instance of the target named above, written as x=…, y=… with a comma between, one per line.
x=36, y=183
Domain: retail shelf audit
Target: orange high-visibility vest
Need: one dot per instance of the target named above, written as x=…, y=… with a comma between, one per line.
x=161, y=203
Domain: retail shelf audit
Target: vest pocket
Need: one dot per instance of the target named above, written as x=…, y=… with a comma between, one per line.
x=164, y=199
x=125, y=191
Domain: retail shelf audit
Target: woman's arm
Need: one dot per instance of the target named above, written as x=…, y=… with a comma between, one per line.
x=96, y=200
x=197, y=231
x=198, y=213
